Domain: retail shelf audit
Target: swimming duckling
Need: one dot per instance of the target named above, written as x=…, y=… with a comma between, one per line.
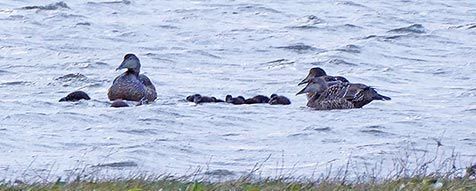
x=236, y=101
x=191, y=98
x=197, y=98
x=279, y=100
x=76, y=96
x=130, y=85
x=340, y=95
x=257, y=99
x=205, y=99
x=119, y=103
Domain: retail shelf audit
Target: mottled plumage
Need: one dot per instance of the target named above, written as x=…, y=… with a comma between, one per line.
x=130, y=85
x=340, y=95
x=151, y=93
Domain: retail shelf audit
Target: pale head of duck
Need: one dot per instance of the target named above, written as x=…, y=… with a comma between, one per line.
x=131, y=63
x=313, y=72
x=314, y=85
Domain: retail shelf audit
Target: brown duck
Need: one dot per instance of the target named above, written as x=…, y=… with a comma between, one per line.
x=317, y=72
x=340, y=95
x=131, y=85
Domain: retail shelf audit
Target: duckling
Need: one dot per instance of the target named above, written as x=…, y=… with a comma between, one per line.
x=257, y=99
x=236, y=101
x=130, y=85
x=76, y=96
x=191, y=98
x=279, y=100
x=119, y=103
x=340, y=95
x=205, y=99
x=197, y=98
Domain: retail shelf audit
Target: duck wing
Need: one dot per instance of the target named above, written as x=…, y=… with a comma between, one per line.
x=331, y=98
x=151, y=93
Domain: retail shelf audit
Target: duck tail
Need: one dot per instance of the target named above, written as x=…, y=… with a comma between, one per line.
x=377, y=96
x=381, y=97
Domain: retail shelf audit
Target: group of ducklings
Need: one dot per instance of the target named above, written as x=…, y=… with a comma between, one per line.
x=274, y=99
x=324, y=92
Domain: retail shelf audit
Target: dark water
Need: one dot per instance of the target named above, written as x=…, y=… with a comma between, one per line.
x=422, y=54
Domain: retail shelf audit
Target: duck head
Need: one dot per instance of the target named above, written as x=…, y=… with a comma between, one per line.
x=131, y=63
x=228, y=98
x=314, y=85
x=313, y=72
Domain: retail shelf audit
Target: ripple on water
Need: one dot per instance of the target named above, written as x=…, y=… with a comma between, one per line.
x=350, y=48
x=140, y=131
x=337, y=61
x=125, y=2
x=300, y=48
x=415, y=28
x=122, y=164
x=53, y=6
x=16, y=83
x=318, y=129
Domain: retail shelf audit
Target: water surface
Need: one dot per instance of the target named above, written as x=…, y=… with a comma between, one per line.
x=422, y=54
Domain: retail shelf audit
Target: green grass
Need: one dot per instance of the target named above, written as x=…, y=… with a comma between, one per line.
x=426, y=183
x=410, y=171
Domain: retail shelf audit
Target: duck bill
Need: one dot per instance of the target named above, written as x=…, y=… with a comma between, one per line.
x=304, y=90
x=122, y=65
x=125, y=64
x=306, y=80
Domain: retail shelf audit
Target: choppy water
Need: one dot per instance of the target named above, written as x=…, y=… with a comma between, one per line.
x=422, y=54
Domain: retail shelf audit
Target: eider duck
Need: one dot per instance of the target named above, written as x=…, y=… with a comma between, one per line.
x=76, y=96
x=313, y=72
x=340, y=95
x=317, y=72
x=279, y=100
x=131, y=85
x=236, y=101
x=257, y=99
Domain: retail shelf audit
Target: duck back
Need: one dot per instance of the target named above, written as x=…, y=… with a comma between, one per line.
x=127, y=87
x=345, y=96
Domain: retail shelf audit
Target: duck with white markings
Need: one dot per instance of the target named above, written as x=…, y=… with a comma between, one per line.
x=340, y=95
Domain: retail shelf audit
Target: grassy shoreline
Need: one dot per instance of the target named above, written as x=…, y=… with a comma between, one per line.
x=409, y=171
x=137, y=184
